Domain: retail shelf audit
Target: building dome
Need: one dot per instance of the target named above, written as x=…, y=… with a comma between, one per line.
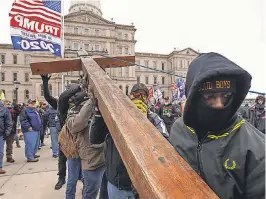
x=85, y=5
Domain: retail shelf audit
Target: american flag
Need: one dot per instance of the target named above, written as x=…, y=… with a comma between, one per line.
x=174, y=86
x=46, y=11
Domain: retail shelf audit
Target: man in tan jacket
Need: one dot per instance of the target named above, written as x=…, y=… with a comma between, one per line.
x=91, y=155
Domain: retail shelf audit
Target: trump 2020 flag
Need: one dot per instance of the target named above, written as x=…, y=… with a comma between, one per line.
x=36, y=25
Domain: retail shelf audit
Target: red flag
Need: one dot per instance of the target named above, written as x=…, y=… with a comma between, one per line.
x=150, y=93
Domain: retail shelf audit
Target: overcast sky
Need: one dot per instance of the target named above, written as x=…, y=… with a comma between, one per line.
x=234, y=28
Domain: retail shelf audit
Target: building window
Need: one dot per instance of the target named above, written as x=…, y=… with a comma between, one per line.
x=97, y=48
x=27, y=59
x=3, y=77
x=15, y=59
x=27, y=77
x=163, y=80
x=97, y=33
x=119, y=35
x=138, y=79
x=121, y=87
x=86, y=46
x=126, y=51
x=26, y=94
x=3, y=59
x=146, y=80
x=86, y=31
x=120, y=50
x=154, y=64
x=76, y=30
x=127, y=90
x=75, y=46
x=15, y=77
x=162, y=66
x=42, y=90
x=155, y=80
x=126, y=36
x=146, y=63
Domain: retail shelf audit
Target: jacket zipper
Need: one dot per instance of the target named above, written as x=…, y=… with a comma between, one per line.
x=199, y=147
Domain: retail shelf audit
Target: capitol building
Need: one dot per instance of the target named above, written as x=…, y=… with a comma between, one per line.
x=86, y=29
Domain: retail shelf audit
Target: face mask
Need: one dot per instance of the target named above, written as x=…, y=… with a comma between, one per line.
x=212, y=119
x=142, y=106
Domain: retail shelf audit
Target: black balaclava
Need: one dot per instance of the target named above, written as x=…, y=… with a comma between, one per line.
x=214, y=119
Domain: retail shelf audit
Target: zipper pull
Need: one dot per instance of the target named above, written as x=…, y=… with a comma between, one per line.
x=199, y=146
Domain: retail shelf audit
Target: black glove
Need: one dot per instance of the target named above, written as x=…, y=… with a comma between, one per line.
x=45, y=77
x=4, y=137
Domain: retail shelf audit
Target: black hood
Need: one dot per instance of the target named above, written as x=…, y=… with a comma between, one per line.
x=206, y=66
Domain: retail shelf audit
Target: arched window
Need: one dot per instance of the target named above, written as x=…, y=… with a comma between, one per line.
x=26, y=94
x=121, y=87
x=127, y=90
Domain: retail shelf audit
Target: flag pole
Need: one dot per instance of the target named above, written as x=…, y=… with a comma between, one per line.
x=63, y=44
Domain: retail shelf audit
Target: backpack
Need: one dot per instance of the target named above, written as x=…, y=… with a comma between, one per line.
x=68, y=143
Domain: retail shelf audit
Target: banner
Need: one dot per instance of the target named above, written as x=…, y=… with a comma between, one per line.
x=35, y=25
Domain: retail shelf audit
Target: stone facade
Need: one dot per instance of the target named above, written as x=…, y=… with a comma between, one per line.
x=86, y=29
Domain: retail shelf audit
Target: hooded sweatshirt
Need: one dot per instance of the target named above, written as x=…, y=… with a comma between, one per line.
x=231, y=159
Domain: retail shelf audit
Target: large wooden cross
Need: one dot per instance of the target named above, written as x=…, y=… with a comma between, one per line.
x=155, y=168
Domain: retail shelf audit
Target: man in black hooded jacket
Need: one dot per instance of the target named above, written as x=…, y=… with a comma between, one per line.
x=225, y=150
x=62, y=106
x=257, y=114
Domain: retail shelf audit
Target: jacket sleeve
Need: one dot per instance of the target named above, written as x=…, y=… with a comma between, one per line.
x=8, y=123
x=159, y=124
x=77, y=122
x=50, y=99
x=175, y=112
x=63, y=104
x=24, y=122
x=98, y=130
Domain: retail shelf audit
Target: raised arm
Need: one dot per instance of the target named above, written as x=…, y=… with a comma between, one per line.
x=48, y=97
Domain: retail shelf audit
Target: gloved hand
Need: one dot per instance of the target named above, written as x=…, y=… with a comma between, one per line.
x=45, y=77
x=4, y=137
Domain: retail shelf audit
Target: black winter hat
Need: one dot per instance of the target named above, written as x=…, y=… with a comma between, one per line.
x=80, y=97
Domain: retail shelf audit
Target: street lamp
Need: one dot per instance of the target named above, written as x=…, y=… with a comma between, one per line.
x=16, y=85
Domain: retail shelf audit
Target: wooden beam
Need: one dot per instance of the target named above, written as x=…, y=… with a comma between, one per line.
x=55, y=66
x=75, y=64
x=155, y=168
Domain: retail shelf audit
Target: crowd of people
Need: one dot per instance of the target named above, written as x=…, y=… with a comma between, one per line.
x=222, y=141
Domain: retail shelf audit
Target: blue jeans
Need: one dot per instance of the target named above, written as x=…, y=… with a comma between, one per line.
x=74, y=167
x=30, y=139
x=16, y=138
x=115, y=193
x=2, y=146
x=92, y=182
x=37, y=142
x=54, y=140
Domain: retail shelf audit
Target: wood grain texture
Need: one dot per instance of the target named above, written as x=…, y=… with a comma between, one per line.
x=155, y=168
x=55, y=66
x=75, y=65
